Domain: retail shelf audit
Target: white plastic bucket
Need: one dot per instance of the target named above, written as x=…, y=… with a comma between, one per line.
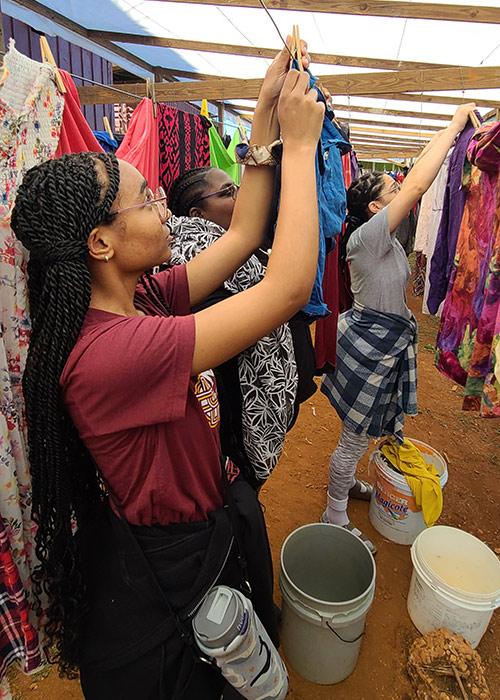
x=455, y=583
x=393, y=509
x=327, y=581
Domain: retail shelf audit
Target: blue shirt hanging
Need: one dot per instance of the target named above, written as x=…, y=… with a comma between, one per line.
x=331, y=200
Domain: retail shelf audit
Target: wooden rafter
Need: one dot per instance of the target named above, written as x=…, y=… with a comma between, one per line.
x=417, y=135
x=359, y=122
x=425, y=98
x=375, y=8
x=259, y=52
x=342, y=107
x=388, y=83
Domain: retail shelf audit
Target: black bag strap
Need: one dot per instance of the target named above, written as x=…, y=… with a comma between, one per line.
x=232, y=511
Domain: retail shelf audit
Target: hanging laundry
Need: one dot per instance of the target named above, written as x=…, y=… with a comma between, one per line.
x=470, y=323
x=108, y=144
x=428, y=221
x=31, y=114
x=141, y=143
x=183, y=143
x=235, y=172
x=18, y=638
x=441, y=264
x=422, y=477
x=325, y=337
x=219, y=154
x=76, y=134
x=331, y=204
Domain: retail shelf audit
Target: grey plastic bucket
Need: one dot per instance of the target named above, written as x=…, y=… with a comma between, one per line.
x=327, y=580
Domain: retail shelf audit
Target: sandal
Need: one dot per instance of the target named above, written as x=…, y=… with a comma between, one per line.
x=361, y=490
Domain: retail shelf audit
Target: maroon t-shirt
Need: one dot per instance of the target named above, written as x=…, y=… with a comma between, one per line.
x=151, y=428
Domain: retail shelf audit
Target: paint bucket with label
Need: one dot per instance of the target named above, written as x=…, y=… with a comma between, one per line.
x=393, y=509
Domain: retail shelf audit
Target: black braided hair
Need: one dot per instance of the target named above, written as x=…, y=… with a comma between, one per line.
x=186, y=190
x=58, y=204
x=362, y=191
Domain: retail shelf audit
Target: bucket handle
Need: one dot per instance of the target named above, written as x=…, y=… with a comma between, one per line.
x=346, y=641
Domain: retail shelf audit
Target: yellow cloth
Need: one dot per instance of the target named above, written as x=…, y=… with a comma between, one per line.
x=422, y=477
x=204, y=108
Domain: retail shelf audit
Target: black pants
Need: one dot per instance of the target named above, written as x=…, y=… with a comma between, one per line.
x=183, y=560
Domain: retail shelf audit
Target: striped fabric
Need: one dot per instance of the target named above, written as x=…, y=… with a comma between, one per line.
x=375, y=381
x=19, y=641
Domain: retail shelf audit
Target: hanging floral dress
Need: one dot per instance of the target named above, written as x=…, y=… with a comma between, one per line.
x=31, y=111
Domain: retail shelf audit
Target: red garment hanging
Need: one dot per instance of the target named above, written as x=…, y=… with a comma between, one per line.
x=140, y=147
x=76, y=134
x=325, y=337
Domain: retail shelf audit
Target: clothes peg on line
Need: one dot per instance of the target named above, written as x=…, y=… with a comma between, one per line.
x=153, y=97
x=107, y=127
x=296, y=47
x=48, y=57
x=475, y=121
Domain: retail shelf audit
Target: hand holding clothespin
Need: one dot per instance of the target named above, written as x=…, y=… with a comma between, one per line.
x=48, y=57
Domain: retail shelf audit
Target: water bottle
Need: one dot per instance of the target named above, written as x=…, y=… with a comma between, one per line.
x=227, y=630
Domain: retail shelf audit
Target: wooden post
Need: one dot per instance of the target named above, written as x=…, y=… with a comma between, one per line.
x=220, y=117
x=2, y=42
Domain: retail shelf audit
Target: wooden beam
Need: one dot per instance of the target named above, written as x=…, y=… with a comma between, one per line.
x=432, y=99
x=374, y=8
x=343, y=107
x=390, y=141
x=384, y=155
x=82, y=31
x=259, y=52
x=359, y=121
x=421, y=135
x=344, y=84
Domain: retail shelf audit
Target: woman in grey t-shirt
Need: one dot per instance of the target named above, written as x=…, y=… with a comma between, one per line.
x=374, y=383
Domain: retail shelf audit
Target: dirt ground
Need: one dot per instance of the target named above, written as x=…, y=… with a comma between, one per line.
x=295, y=495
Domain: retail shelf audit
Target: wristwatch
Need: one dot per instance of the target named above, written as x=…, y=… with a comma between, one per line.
x=259, y=155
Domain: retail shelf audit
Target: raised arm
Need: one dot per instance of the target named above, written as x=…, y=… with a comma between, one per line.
x=423, y=173
x=226, y=328
x=208, y=270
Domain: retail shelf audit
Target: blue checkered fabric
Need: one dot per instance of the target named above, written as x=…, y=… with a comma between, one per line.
x=375, y=380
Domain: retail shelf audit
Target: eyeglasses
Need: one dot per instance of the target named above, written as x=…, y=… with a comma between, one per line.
x=158, y=198
x=226, y=191
x=396, y=187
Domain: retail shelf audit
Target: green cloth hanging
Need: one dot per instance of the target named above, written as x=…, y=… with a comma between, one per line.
x=231, y=149
x=220, y=157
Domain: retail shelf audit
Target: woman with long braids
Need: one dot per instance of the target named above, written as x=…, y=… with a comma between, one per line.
x=374, y=383
x=121, y=409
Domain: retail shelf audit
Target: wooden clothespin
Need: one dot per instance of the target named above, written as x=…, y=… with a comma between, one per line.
x=4, y=74
x=497, y=115
x=153, y=97
x=241, y=129
x=475, y=121
x=296, y=48
x=107, y=127
x=48, y=57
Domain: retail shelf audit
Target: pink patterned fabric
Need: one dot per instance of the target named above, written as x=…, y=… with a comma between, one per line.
x=140, y=145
